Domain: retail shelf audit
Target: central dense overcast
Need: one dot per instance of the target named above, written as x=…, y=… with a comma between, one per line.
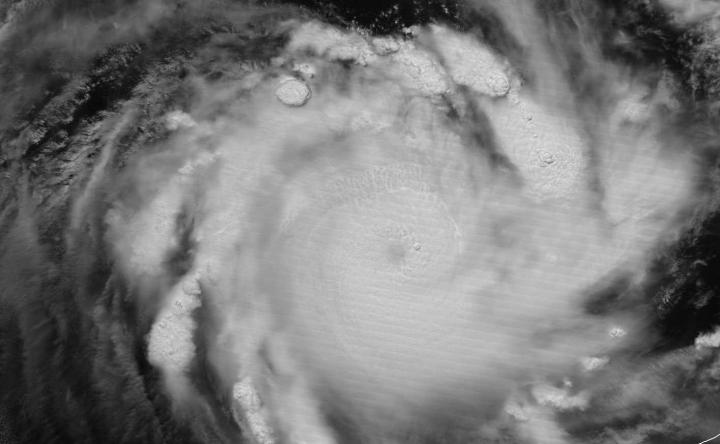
x=329, y=222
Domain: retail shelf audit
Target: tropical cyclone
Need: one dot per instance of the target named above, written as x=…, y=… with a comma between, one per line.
x=400, y=250
x=370, y=246
x=304, y=231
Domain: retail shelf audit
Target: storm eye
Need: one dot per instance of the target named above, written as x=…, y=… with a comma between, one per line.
x=400, y=246
x=396, y=252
